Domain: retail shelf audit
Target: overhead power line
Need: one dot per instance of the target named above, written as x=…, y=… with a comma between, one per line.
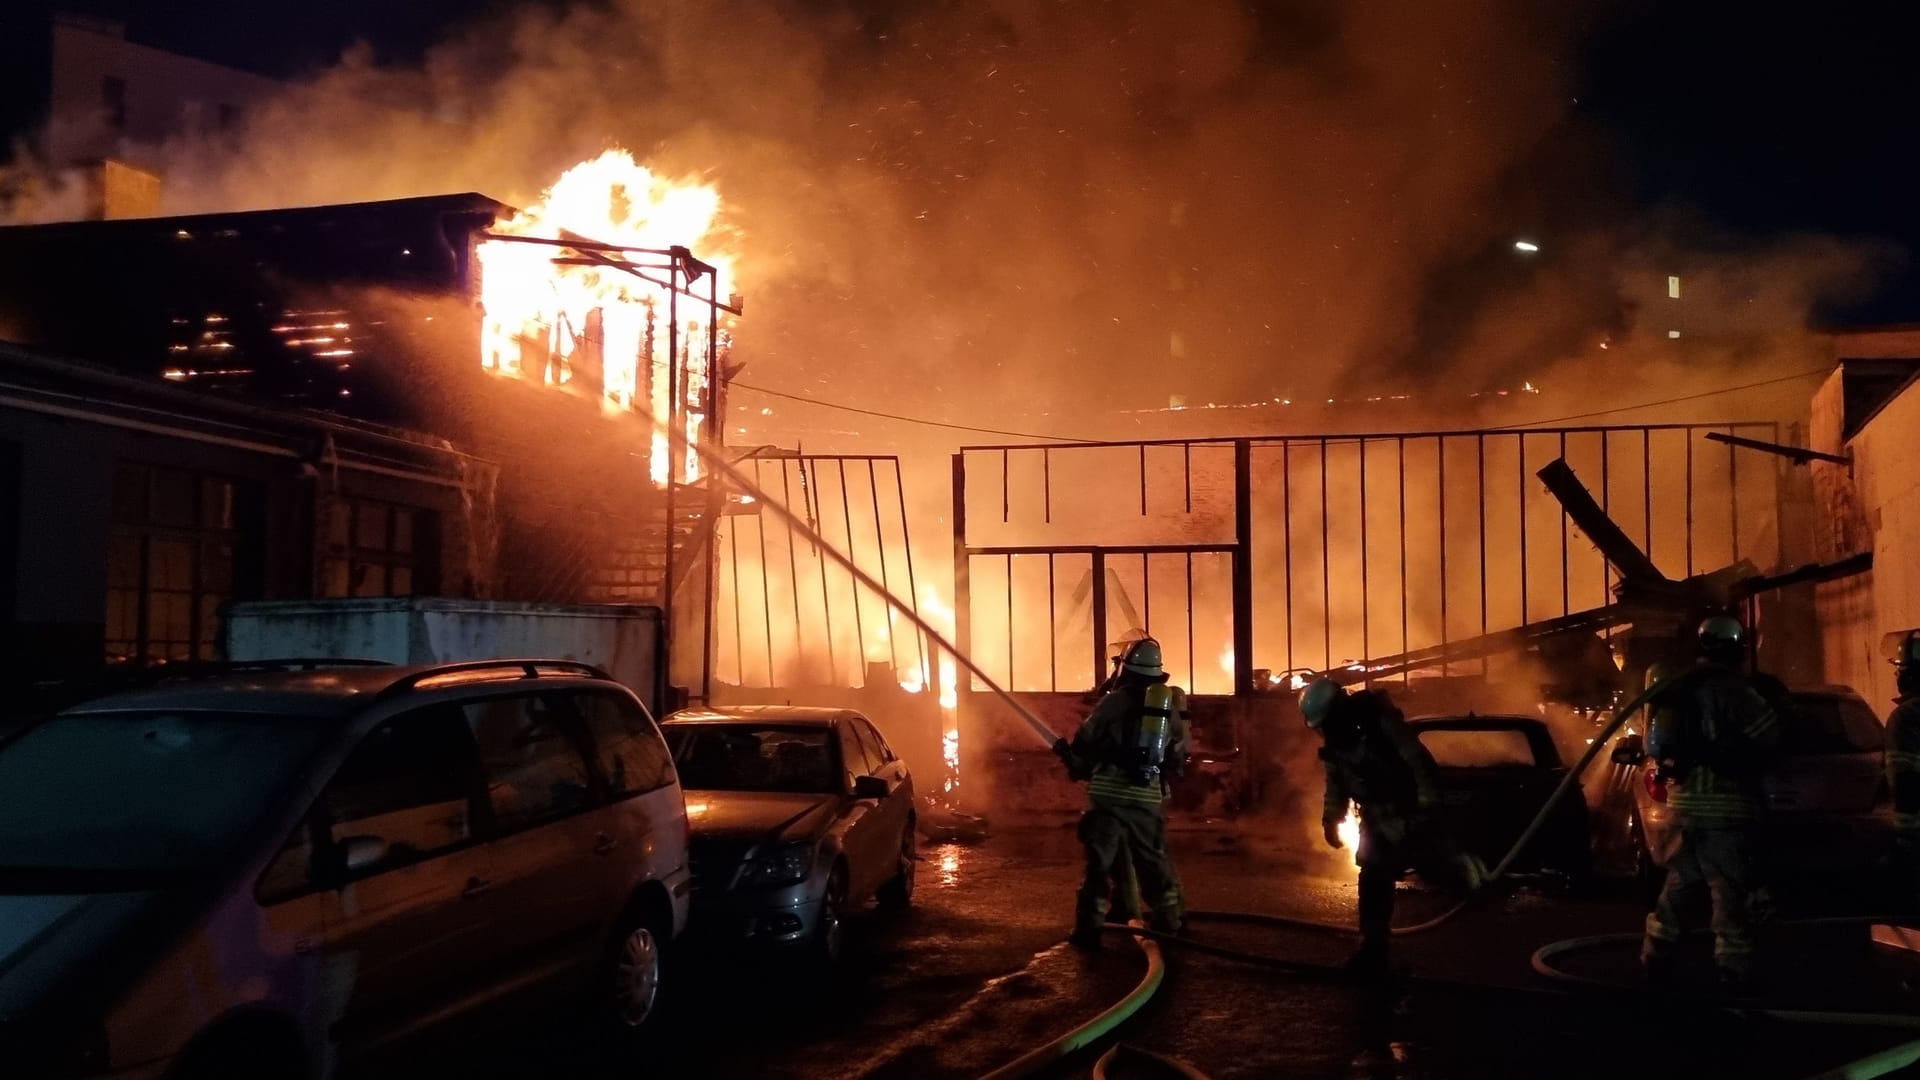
x=1066, y=438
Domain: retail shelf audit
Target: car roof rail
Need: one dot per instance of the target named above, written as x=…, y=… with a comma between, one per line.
x=304, y=663
x=522, y=669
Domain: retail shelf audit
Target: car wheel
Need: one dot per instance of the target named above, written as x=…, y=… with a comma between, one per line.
x=898, y=892
x=634, y=977
x=829, y=934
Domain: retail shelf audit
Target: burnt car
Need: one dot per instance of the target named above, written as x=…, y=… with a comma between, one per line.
x=1828, y=809
x=797, y=814
x=1495, y=773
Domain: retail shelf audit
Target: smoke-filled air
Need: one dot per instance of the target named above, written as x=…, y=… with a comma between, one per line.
x=976, y=208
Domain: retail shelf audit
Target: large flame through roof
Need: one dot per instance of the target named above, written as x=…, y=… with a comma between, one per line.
x=570, y=317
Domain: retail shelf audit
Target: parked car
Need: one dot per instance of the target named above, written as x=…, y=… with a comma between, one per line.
x=1828, y=807
x=1496, y=772
x=797, y=814
x=266, y=875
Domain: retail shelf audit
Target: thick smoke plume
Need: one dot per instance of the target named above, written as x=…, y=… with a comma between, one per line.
x=965, y=203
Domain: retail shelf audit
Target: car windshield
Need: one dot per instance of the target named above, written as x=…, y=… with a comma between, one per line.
x=754, y=757
x=1474, y=749
x=125, y=796
x=1824, y=724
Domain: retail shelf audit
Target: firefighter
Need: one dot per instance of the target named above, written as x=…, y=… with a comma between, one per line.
x=1374, y=762
x=1131, y=744
x=1903, y=759
x=1710, y=736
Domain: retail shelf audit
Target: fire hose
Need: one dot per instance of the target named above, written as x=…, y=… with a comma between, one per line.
x=1873, y=1066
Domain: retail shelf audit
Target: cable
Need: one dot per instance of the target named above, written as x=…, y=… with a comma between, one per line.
x=1666, y=401
x=1067, y=439
x=736, y=385
x=1184, y=1069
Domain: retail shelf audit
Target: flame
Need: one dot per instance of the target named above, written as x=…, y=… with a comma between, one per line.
x=950, y=753
x=539, y=317
x=1226, y=660
x=1349, y=829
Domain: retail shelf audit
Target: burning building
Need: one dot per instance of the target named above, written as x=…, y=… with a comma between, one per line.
x=428, y=395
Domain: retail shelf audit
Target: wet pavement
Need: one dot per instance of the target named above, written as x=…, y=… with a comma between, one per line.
x=975, y=973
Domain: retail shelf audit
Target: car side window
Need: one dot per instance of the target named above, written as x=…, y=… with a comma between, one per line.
x=877, y=741
x=408, y=787
x=626, y=744
x=531, y=757
x=294, y=871
x=862, y=758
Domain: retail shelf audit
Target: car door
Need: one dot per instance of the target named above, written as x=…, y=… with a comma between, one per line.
x=870, y=849
x=402, y=929
x=897, y=810
x=548, y=891
x=640, y=832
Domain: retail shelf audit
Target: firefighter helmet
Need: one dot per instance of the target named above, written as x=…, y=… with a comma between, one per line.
x=1143, y=658
x=1722, y=631
x=1316, y=701
x=1659, y=673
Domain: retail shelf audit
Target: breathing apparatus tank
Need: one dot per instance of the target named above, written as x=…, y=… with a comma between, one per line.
x=1151, y=734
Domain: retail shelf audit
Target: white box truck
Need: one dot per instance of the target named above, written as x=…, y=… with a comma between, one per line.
x=622, y=639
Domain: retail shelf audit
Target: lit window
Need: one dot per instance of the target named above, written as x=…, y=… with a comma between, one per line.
x=1673, y=333
x=1673, y=286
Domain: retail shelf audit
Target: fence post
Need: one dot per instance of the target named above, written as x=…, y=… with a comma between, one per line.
x=1242, y=567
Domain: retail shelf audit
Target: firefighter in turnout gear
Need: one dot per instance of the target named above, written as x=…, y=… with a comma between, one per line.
x=1903, y=759
x=1374, y=762
x=1710, y=736
x=1130, y=746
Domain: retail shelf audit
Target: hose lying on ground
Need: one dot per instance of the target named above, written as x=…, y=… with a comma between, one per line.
x=1095, y=1029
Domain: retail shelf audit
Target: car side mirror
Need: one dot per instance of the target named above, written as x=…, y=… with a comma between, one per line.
x=359, y=853
x=871, y=787
x=1630, y=750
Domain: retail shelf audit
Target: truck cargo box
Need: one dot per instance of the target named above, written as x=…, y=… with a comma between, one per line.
x=622, y=639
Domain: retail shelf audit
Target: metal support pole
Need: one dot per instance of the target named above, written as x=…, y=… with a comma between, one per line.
x=1193, y=662
x=664, y=677
x=1186, y=472
x=766, y=584
x=906, y=540
x=1440, y=479
x=1689, y=502
x=1286, y=526
x=1242, y=567
x=1097, y=600
x=1010, y=683
x=1046, y=483
x=1402, y=474
x=1520, y=453
x=1143, y=479
x=826, y=602
x=1480, y=481
x=962, y=571
x=739, y=632
x=793, y=569
x=880, y=538
x=1733, y=493
x=859, y=623
x=1326, y=568
x=715, y=435
x=1053, y=637
x=1566, y=586
x=1366, y=564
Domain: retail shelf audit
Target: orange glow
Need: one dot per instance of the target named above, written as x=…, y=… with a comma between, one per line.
x=539, y=317
x=1350, y=834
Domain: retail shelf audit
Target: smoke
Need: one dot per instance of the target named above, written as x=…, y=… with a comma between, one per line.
x=959, y=203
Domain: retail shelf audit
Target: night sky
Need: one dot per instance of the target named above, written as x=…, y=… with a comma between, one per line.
x=1763, y=123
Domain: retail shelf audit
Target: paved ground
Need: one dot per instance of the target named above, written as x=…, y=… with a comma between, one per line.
x=975, y=973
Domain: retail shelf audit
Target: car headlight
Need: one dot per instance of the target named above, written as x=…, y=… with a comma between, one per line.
x=784, y=865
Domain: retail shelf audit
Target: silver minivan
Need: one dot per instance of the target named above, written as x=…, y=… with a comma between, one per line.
x=270, y=874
